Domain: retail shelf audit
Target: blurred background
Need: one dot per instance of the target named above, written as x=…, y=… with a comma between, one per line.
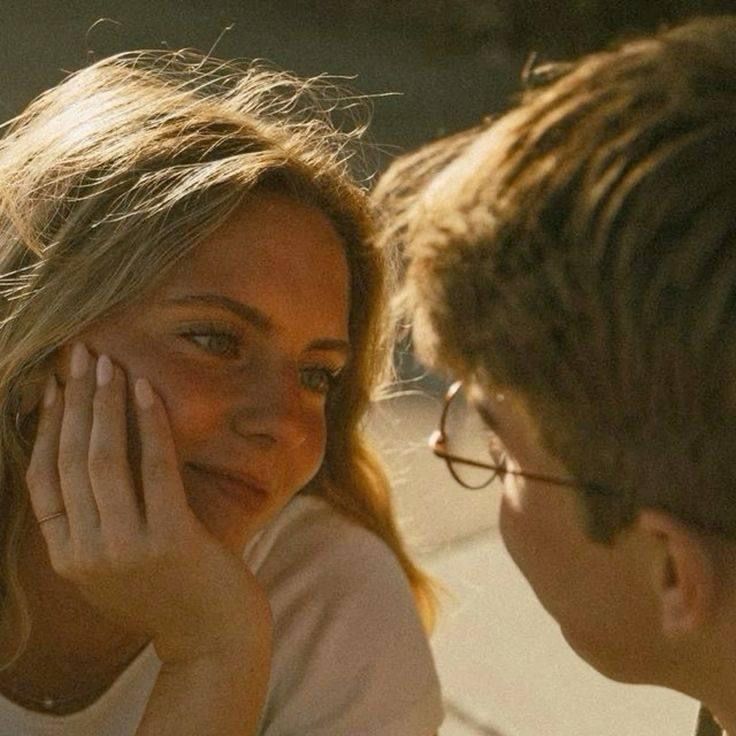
x=445, y=64
x=450, y=61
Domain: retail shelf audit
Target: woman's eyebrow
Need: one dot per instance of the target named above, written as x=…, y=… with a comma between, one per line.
x=246, y=312
x=259, y=319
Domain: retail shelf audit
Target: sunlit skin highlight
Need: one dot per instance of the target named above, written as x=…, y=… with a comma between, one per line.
x=578, y=581
x=242, y=340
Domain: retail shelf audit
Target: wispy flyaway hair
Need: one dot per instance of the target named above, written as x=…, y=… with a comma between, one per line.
x=112, y=176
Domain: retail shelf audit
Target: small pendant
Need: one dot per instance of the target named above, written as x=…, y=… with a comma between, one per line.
x=48, y=703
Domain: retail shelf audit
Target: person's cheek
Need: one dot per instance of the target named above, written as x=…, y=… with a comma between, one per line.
x=517, y=531
x=508, y=528
x=311, y=453
x=195, y=406
x=180, y=405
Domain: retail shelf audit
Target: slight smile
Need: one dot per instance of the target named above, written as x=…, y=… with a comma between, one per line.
x=243, y=489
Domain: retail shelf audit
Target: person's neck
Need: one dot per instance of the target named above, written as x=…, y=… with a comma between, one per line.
x=715, y=690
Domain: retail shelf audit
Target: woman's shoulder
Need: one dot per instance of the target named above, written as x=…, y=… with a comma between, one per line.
x=349, y=647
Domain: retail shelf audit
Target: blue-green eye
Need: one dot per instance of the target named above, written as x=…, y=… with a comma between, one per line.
x=216, y=342
x=319, y=379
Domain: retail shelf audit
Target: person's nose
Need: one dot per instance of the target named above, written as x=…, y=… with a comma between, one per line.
x=274, y=411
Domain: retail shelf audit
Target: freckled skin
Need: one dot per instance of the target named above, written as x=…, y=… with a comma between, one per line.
x=240, y=402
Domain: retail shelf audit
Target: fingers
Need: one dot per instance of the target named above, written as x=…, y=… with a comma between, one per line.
x=76, y=427
x=80, y=462
x=165, y=500
x=108, y=463
x=42, y=476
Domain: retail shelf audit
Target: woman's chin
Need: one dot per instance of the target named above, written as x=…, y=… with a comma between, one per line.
x=232, y=530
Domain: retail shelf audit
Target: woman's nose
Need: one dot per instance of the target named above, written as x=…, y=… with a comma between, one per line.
x=274, y=412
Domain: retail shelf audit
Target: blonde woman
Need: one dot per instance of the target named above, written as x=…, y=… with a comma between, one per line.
x=195, y=538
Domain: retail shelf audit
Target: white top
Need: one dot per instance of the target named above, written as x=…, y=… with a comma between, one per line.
x=350, y=655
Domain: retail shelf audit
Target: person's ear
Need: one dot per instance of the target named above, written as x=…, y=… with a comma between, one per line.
x=683, y=572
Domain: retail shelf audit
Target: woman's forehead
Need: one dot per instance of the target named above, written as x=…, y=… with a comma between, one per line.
x=275, y=254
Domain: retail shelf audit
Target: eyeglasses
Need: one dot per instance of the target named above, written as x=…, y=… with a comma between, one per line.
x=463, y=436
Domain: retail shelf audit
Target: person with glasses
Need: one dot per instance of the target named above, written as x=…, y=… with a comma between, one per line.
x=573, y=264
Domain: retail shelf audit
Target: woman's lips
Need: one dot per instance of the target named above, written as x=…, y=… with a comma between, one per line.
x=240, y=488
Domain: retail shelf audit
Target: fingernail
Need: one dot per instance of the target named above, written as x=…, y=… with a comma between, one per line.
x=143, y=393
x=104, y=370
x=80, y=358
x=49, y=393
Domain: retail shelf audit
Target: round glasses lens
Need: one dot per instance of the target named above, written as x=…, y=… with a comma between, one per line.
x=467, y=436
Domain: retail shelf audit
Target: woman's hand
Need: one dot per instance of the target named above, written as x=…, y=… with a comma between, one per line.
x=129, y=541
x=140, y=556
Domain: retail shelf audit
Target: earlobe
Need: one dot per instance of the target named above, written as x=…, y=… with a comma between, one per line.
x=683, y=572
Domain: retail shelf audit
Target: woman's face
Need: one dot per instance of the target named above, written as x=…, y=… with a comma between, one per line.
x=242, y=340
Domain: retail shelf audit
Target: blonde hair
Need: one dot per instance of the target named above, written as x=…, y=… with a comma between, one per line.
x=109, y=178
x=580, y=250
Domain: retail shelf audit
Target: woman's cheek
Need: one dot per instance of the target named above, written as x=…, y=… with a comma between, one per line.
x=191, y=404
x=312, y=451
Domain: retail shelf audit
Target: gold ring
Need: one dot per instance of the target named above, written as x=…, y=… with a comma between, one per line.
x=48, y=517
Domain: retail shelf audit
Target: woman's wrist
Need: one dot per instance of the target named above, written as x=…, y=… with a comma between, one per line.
x=244, y=633
x=217, y=693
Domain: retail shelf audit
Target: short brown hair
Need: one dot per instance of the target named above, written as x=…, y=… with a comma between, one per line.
x=581, y=250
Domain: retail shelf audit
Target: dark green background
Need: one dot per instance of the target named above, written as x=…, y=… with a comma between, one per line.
x=452, y=61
